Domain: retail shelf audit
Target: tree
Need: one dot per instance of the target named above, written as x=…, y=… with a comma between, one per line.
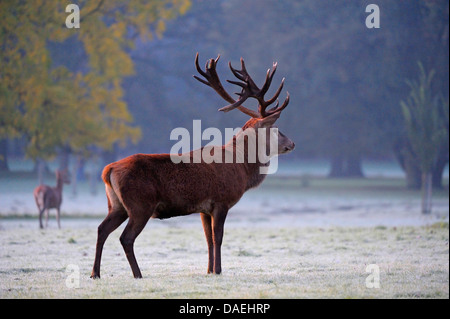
x=345, y=80
x=77, y=104
x=424, y=112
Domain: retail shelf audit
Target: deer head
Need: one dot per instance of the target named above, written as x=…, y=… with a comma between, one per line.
x=264, y=118
x=63, y=176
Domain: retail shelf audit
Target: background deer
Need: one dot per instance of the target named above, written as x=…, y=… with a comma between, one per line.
x=47, y=197
x=142, y=186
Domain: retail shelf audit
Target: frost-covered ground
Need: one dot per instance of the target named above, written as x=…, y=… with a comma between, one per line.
x=287, y=262
x=287, y=200
x=294, y=237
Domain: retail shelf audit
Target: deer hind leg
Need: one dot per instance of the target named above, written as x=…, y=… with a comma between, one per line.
x=41, y=212
x=135, y=225
x=207, y=227
x=46, y=217
x=39, y=198
x=116, y=216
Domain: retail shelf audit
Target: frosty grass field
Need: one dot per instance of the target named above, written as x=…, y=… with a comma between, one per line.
x=291, y=238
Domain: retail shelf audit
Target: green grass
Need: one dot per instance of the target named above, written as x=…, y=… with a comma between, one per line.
x=257, y=263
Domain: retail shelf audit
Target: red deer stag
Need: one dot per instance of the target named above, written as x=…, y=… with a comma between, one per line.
x=47, y=197
x=142, y=186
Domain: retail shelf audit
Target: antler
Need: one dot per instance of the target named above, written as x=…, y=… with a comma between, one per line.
x=212, y=80
x=249, y=88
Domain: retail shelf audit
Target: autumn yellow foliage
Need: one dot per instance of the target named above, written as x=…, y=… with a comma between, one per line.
x=56, y=106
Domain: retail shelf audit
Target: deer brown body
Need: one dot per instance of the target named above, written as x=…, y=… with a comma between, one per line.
x=47, y=197
x=144, y=186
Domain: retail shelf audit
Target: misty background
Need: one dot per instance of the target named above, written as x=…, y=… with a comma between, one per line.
x=346, y=81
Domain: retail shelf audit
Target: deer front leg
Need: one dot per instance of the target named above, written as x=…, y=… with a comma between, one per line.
x=57, y=217
x=219, y=216
x=207, y=227
x=46, y=217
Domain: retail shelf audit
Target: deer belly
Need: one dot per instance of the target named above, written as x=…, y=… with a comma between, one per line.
x=166, y=210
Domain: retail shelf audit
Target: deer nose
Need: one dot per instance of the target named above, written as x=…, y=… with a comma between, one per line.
x=290, y=147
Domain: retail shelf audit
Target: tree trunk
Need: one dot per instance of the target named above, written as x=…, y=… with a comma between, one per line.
x=75, y=175
x=41, y=168
x=403, y=153
x=350, y=166
x=413, y=175
x=439, y=167
x=427, y=187
x=4, y=155
x=64, y=158
x=337, y=166
x=92, y=173
x=354, y=168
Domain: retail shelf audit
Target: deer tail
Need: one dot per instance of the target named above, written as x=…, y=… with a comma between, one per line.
x=106, y=175
x=40, y=200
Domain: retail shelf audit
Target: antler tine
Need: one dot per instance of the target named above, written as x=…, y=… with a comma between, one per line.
x=199, y=70
x=277, y=93
x=212, y=80
x=269, y=77
x=242, y=85
x=279, y=109
x=250, y=89
x=247, y=87
x=238, y=73
x=197, y=66
x=243, y=75
x=285, y=103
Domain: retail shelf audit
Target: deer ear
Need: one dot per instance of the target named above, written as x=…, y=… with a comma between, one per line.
x=269, y=120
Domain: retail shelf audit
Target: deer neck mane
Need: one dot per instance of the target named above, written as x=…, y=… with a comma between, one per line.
x=59, y=183
x=249, y=153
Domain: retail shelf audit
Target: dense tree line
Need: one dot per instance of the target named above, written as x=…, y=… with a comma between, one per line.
x=62, y=88
x=346, y=81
